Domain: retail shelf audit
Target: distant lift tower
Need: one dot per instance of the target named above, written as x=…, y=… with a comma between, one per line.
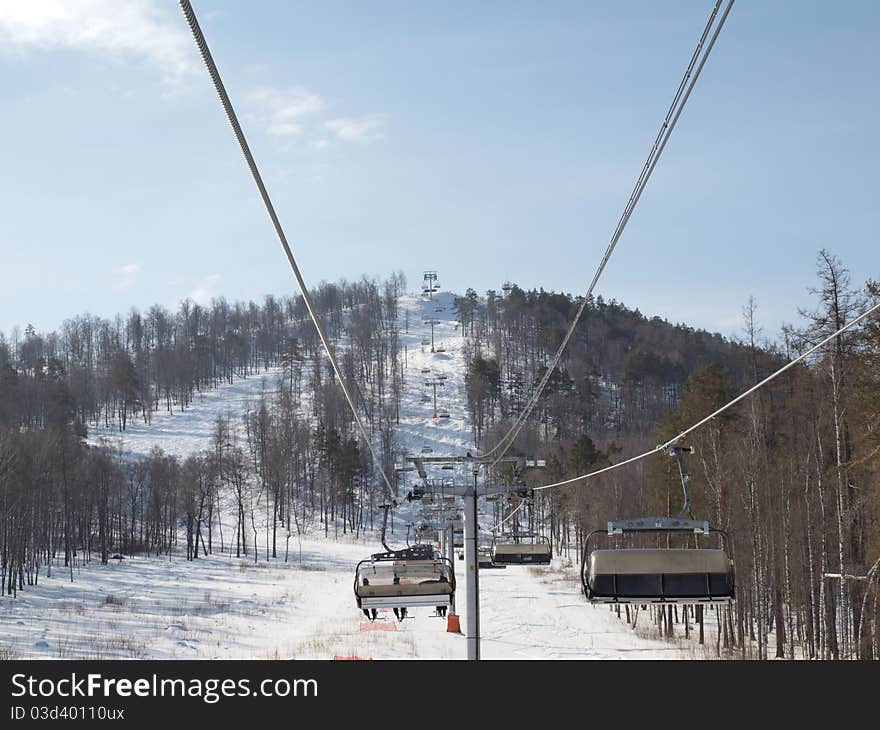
x=431, y=321
x=429, y=284
x=433, y=383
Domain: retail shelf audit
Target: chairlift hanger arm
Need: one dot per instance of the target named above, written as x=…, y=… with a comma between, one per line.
x=680, y=522
x=678, y=453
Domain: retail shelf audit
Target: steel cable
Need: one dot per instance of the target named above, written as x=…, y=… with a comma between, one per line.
x=231, y=116
x=679, y=100
x=662, y=447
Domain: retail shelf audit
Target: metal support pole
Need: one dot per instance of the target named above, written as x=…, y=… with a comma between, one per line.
x=473, y=574
x=449, y=545
x=678, y=452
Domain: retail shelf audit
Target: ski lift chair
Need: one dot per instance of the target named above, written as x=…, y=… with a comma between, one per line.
x=400, y=579
x=536, y=551
x=693, y=575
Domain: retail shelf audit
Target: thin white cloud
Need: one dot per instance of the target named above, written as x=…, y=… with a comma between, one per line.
x=285, y=113
x=126, y=276
x=206, y=290
x=144, y=29
x=362, y=129
x=282, y=112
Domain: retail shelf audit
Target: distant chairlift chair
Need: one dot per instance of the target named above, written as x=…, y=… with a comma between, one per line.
x=532, y=550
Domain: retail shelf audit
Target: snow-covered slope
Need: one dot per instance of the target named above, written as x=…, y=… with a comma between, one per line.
x=418, y=426
x=232, y=608
x=190, y=430
x=222, y=607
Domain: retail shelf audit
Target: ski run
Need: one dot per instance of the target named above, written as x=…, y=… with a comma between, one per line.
x=302, y=604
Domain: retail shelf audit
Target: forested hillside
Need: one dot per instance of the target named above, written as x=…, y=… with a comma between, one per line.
x=620, y=372
x=792, y=473
x=299, y=459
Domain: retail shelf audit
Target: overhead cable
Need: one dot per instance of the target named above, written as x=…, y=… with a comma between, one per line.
x=683, y=92
x=276, y=223
x=662, y=447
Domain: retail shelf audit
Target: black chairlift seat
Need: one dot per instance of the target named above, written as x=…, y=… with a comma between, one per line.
x=537, y=552
x=658, y=575
x=407, y=578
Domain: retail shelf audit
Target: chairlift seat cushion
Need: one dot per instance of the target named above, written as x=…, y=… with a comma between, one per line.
x=386, y=590
x=658, y=560
x=659, y=574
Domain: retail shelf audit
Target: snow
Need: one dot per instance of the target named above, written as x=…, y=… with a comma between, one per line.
x=189, y=430
x=418, y=428
x=225, y=607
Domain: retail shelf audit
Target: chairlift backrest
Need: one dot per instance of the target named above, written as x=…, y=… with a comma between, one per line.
x=414, y=576
x=658, y=575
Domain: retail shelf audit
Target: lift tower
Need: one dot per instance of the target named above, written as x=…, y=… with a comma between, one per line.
x=429, y=284
x=471, y=492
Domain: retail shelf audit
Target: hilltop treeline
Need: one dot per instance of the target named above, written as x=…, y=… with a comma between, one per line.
x=620, y=372
x=792, y=473
x=292, y=458
x=112, y=370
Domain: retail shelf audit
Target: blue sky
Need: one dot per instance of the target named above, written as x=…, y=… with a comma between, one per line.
x=488, y=140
